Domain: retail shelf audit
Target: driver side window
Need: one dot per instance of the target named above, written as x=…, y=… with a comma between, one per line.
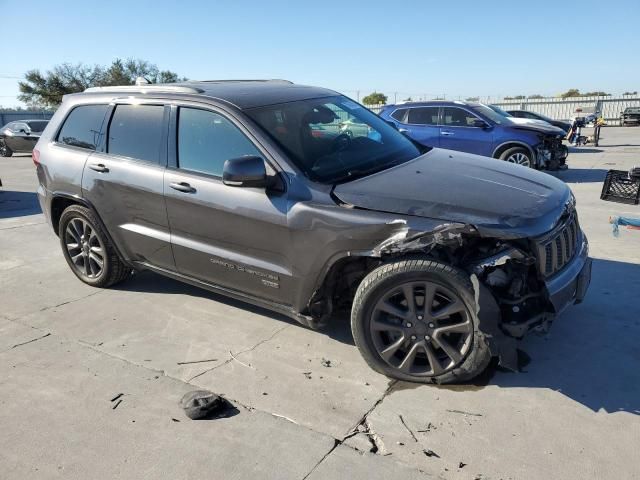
x=457, y=117
x=206, y=140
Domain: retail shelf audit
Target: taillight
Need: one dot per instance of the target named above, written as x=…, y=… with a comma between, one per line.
x=35, y=156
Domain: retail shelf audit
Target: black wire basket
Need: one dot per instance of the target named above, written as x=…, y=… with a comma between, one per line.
x=620, y=187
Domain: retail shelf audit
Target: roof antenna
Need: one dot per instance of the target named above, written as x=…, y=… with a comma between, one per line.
x=142, y=81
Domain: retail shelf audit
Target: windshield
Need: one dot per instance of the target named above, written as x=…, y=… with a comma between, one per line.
x=491, y=112
x=500, y=111
x=334, y=139
x=37, y=125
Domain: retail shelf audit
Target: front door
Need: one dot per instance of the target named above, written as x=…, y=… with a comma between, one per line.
x=125, y=182
x=459, y=131
x=233, y=237
x=422, y=126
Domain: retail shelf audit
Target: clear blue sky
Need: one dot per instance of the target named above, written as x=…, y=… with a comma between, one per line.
x=460, y=48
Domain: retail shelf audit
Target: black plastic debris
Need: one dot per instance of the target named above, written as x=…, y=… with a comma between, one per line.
x=326, y=363
x=204, y=404
x=431, y=453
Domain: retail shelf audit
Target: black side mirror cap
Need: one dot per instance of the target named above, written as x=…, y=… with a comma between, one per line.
x=248, y=171
x=481, y=124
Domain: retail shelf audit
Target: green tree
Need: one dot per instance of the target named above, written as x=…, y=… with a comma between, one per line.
x=473, y=99
x=630, y=93
x=596, y=94
x=375, y=98
x=572, y=92
x=535, y=96
x=47, y=89
x=517, y=97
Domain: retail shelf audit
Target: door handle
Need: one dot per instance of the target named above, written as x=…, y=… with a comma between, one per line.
x=446, y=133
x=182, y=187
x=98, y=167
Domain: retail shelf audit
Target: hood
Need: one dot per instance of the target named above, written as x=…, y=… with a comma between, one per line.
x=500, y=199
x=535, y=125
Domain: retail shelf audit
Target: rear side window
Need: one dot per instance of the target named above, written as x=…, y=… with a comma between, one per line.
x=37, y=126
x=399, y=114
x=206, y=140
x=82, y=126
x=423, y=115
x=135, y=131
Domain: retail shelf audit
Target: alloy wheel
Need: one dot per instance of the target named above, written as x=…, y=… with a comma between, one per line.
x=421, y=328
x=86, y=251
x=520, y=159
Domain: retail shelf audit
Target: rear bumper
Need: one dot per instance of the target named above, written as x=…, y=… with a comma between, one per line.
x=570, y=285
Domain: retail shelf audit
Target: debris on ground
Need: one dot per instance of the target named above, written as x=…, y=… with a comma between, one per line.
x=116, y=405
x=240, y=362
x=465, y=413
x=462, y=465
x=325, y=362
x=197, y=361
x=116, y=397
x=175, y=420
x=431, y=453
x=307, y=375
x=204, y=404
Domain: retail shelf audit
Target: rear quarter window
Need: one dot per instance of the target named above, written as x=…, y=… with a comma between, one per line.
x=135, y=131
x=399, y=114
x=82, y=126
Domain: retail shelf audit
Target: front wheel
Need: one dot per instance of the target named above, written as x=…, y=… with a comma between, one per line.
x=5, y=151
x=519, y=156
x=416, y=320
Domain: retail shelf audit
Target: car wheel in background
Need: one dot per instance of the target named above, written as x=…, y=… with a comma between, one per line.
x=416, y=320
x=4, y=150
x=519, y=156
x=88, y=250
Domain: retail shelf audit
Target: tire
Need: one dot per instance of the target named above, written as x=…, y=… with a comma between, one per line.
x=5, y=151
x=80, y=226
x=519, y=156
x=377, y=331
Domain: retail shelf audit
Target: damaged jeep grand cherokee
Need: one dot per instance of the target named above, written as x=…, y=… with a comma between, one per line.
x=253, y=189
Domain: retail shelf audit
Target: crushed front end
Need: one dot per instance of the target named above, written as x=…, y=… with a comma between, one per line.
x=550, y=152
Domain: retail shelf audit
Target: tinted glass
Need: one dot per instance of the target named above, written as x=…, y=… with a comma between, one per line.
x=399, y=114
x=457, y=117
x=82, y=126
x=423, y=116
x=206, y=140
x=37, y=125
x=136, y=132
x=334, y=139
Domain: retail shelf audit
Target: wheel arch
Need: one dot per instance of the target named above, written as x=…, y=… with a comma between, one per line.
x=503, y=147
x=61, y=201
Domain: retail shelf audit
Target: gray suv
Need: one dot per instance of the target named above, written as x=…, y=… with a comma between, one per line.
x=252, y=189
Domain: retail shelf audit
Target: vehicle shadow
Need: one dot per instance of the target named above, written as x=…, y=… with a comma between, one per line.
x=591, y=352
x=18, y=204
x=580, y=175
x=149, y=282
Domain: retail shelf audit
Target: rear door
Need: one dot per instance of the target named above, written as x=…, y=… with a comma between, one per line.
x=421, y=124
x=459, y=132
x=18, y=140
x=125, y=179
x=232, y=237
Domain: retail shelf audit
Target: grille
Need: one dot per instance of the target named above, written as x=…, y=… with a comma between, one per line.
x=558, y=248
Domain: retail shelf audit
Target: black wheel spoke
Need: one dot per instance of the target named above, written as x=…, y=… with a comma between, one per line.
x=390, y=351
x=434, y=363
x=447, y=348
x=409, y=358
x=444, y=312
x=407, y=291
x=387, y=307
x=84, y=248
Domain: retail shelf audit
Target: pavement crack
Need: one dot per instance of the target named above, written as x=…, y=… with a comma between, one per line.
x=30, y=341
x=233, y=357
x=335, y=445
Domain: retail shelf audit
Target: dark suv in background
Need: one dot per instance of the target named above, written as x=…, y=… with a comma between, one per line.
x=254, y=189
x=475, y=128
x=20, y=136
x=565, y=126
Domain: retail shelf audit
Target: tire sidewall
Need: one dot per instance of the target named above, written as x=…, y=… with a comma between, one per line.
x=510, y=151
x=85, y=214
x=362, y=315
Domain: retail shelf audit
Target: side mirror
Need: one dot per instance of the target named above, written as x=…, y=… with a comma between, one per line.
x=22, y=130
x=248, y=171
x=481, y=124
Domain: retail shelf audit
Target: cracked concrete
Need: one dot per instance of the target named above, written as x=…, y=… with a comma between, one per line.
x=574, y=412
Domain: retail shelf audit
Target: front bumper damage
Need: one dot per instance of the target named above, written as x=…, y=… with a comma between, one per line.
x=513, y=296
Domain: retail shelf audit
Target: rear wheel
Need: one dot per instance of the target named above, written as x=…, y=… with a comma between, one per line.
x=519, y=156
x=416, y=320
x=5, y=151
x=88, y=250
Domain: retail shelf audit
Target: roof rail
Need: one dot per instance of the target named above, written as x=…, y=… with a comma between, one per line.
x=145, y=88
x=243, y=80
